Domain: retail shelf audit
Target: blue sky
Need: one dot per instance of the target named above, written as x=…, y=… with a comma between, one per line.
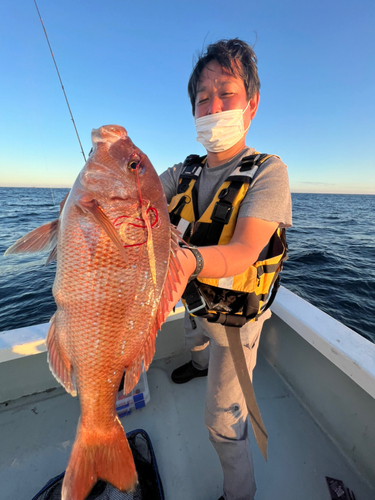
x=128, y=63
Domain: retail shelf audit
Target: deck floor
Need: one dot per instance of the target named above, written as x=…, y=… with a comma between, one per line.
x=37, y=432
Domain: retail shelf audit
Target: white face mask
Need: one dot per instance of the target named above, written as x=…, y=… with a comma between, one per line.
x=221, y=131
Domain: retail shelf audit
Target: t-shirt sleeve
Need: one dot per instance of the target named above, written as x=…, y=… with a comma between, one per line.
x=169, y=180
x=268, y=197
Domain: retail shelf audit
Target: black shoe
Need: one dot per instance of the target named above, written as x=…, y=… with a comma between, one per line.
x=187, y=372
x=221, y=498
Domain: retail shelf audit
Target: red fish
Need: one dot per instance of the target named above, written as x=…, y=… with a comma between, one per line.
x=116, y=273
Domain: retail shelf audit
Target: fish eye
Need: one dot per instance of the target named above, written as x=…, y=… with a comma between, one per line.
x=133, y=165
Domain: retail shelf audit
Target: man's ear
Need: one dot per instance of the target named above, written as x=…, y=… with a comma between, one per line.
x=254, y=103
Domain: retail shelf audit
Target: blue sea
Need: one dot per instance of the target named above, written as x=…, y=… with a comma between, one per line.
x=331, y=257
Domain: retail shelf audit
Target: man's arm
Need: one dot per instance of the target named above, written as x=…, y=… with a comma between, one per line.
x=250, y=237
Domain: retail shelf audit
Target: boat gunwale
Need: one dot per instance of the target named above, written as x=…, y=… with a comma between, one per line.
x=351, y=353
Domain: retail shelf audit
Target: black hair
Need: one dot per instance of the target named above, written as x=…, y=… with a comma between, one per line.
x=236, y=57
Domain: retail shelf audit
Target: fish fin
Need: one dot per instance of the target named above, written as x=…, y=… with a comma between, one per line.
x=101, y=218
x=133, y=372
x=149, y=348
x=98, y=455
x=52, y=255
x=174, y=268
x=144, y=356
x=166, y=305
x=39, y=239
x=62, y=203
x=59, y=362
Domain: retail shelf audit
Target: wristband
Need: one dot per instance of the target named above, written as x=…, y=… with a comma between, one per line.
x=199, y=259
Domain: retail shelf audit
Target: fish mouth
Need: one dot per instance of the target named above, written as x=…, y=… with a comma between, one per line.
x=108, y=133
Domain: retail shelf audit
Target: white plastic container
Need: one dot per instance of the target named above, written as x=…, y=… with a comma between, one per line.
x=136, y=399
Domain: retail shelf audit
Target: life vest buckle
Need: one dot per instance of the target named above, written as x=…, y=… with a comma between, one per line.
x=190, y=169
x=223, y=193
x=249, y=162
x=222, y=212
x=202, y=305
x=194, y=301
x=183, y=186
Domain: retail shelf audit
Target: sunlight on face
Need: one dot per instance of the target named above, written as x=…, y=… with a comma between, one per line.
x=219, y=91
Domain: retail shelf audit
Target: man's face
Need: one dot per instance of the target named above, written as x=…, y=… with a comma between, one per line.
x=219, y=91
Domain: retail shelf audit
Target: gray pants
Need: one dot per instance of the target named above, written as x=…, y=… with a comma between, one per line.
x=226, y=412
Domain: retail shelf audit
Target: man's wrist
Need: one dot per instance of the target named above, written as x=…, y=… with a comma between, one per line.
x=199, y=261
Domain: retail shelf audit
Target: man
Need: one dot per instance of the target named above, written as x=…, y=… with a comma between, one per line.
x=224, y=93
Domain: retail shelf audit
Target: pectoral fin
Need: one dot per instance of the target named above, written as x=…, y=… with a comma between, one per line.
x=97, y=212
x=42, y=238
x=52, y=255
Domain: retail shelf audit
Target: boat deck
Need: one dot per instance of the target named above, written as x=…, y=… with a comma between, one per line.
x=37, y=432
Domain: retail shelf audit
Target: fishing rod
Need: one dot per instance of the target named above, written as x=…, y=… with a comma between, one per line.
x=61, y=83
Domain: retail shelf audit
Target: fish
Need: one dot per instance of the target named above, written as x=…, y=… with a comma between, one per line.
x=116, y=272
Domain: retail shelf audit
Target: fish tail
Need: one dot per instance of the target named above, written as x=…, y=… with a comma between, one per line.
x=99, y=456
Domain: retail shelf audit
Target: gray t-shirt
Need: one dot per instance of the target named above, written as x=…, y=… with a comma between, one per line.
x=268, y=198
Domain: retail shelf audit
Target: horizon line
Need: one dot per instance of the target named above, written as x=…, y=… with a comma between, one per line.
x=292, y=190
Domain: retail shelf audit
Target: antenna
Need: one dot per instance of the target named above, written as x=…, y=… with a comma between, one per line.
x=62, y=86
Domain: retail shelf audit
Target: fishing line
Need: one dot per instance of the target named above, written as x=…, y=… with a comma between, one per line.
x=61, y=83
x=53, y=198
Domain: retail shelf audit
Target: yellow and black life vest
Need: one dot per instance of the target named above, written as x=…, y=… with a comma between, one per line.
x=235, y=300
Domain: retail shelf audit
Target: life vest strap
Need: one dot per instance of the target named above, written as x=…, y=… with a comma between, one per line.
x=190, y=173
x=222, y=212
x=240, y=365
x=248, y=162
x=191, y=170
x=232, y=320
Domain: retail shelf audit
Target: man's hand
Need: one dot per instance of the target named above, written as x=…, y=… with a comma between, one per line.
x=188, y=264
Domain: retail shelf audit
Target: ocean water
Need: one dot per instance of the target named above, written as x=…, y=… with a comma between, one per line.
x=331, y=257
